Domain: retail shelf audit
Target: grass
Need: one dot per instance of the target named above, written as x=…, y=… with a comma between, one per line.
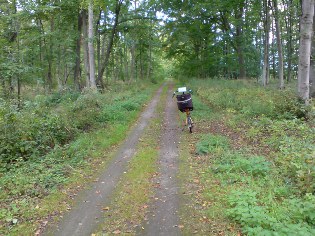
x=132, y=195
x=42, y=187
x=201, y=214
x=252, y=168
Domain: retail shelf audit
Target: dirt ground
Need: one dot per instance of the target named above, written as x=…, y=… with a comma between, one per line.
x=163, y=216
x=88, y=212
x=162, y=219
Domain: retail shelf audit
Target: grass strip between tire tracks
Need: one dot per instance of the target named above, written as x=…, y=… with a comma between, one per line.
x=132, y=195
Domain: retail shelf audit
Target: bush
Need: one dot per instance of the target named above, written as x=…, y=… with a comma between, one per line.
x=26, y=134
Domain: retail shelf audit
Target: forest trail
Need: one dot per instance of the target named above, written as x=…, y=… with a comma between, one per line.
x=88, y=214
x=163, y=216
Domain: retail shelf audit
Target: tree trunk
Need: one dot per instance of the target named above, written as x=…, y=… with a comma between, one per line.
x=133, y=63
x=239, y=40
x=266, y=43
x=99, y=62
x=305, y=49
x=86, y=48
x=312, y=63
x=111, y=42
x=91, y=46
x=76, y=76
x=290, y=47
x=50, y=56
x=126, y=62
x=59, y=74
x=279, y=44
x=149, y=62
x=273, y=50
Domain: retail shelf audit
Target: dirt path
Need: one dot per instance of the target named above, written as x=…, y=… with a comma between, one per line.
x=87, y=212
x=163, y=214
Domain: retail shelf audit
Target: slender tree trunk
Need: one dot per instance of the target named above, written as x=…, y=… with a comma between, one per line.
x=91, y=46
x=279, y=44
x=312, y=63
x=141, y=63
x=266, y=43
x=86, y=48
x=150, y=62
x=76, y=76
x=59, y=74
x=50, y=57
x=305, y=49
x=111, y=41
x=273, y=49
x=133, y=63
x=290, y=49
x=99, y=60
x=16, y=27
x=126, y=63
x=239, y=41
x=19, y=75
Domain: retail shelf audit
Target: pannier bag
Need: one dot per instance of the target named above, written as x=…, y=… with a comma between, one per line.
x=184, y=101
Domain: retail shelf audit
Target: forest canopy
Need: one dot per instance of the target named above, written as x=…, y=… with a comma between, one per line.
x=85, y=44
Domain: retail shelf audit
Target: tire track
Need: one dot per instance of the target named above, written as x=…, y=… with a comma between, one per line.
x=163, y=216
x=87, y=212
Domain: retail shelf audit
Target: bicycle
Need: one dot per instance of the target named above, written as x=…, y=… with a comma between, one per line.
x=184, y=104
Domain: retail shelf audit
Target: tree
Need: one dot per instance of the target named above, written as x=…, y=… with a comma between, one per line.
x=305, y=49
x=312, y=63
x=265, y=73
x=91, y=45
x=279, y=44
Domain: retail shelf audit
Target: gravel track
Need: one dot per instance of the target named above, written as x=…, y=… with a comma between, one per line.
x=163, y=216
x=87, y=213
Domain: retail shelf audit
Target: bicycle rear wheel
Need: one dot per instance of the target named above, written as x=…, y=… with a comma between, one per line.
x=189, y=123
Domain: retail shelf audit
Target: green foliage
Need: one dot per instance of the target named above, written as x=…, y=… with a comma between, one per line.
x=29, y=133
x=295, y=217
x=271, y=195
x=249, y=100
x=254, y=165
x=293, y=141
x=211, y=143
x=258, y=200
x=47, y=141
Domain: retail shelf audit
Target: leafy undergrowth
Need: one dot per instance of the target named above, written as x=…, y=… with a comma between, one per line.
x=50, y=147
x=199, y=214
x=132, y=195
x=257, y=164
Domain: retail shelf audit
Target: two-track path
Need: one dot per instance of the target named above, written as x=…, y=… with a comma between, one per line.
x=163, y=215
x=87, y=213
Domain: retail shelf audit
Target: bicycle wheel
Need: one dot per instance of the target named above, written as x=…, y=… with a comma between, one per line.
x=190, y=125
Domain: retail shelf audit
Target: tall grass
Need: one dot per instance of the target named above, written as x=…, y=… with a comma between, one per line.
x=271, y=194
x=250, y=99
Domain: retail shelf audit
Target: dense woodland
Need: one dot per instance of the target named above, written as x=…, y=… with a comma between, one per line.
x=85, y=44
x=75, y=75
